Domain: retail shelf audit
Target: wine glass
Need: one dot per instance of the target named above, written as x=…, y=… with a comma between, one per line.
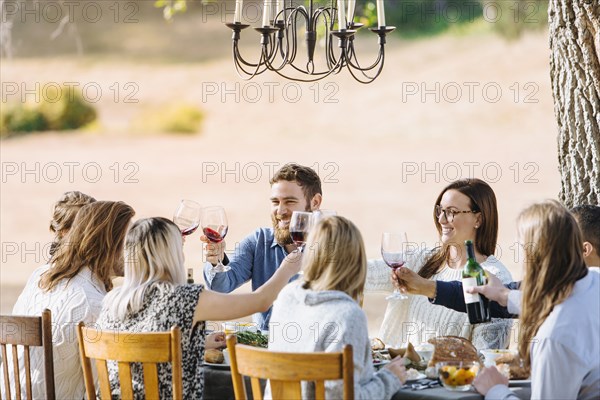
x=393, y=246
x=187, y=216
x=214, y=226
x=300, y=225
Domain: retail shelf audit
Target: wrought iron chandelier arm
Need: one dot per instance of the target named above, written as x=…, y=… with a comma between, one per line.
x=356, y=63
x=248, y=75
x=368, y=79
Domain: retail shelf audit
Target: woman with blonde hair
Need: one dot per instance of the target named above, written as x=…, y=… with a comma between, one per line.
x=560, y=311
x=154, y=296
x=323, y=310
x=464, y=210
x=72, y=286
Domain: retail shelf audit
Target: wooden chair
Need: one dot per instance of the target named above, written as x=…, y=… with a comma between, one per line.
x=125, y=348
x=27, y=331
x=286, y=371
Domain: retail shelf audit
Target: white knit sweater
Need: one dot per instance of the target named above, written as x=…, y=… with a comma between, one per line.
x=79, y=299
x=416, y=320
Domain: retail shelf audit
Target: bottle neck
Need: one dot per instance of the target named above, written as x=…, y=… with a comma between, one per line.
x=471, y=252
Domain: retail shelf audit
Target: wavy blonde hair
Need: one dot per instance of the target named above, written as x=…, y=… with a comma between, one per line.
x=553, y=263
x=335, y=258
x=95, y=240
x=63, y=215
x=153, y=254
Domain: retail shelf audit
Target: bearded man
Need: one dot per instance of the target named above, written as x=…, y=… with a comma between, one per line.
x=257, y=257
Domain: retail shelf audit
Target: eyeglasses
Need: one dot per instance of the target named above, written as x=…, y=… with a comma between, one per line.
x=450, y=214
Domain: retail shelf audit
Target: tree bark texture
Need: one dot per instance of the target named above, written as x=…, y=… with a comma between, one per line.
x=575, y=75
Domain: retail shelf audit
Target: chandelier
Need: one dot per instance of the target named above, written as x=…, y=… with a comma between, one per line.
x=279, y=41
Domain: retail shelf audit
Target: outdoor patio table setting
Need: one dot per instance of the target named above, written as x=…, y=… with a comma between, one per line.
x=218, y=385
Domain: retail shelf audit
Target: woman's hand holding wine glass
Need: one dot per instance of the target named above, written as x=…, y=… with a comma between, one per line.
x=393, y=247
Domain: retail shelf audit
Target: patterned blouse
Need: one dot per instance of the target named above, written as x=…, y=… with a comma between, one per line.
x=164, y=307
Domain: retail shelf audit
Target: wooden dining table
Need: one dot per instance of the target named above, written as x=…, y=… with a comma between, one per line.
x=218, y=386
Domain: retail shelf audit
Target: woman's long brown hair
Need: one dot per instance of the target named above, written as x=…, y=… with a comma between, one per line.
x=553, y=263
x=96, y=240
x=483, y=200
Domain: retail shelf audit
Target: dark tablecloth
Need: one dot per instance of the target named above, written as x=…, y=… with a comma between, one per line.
x=218, y=386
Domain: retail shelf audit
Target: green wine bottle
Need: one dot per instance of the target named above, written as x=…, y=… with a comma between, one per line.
x=473, y=275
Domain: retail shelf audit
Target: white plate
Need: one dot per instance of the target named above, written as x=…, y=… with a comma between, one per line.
x=217, y=366
x=380, y=363
x=420, y=376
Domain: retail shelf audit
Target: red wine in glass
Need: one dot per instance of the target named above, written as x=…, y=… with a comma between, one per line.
x=187, y=217
x=215, y=234
x=299, y=237
x=214, y=226
x=300, y=224
x=190, y=230
x=393, y=246
x=393, y=265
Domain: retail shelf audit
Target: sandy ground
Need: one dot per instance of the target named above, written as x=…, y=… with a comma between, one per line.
x=443, y=108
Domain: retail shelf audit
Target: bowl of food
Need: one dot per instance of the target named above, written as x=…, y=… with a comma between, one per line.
x=457, y=375
x=425, y=350
x=492, y=354
x=236, y=326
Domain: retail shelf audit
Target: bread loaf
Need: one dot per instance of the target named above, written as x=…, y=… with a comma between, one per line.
x=214, y=356
x=452, y=348
x=516, y=366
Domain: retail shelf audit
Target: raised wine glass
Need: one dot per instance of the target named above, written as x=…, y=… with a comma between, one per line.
x=214, y=226
x=393, y=247
x=187, y=216
x=300, y=225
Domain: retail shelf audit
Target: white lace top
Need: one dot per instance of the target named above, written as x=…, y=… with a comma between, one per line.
x=78, y=300
x=417, y=320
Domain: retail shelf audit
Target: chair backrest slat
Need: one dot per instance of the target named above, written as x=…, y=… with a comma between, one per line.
x=103, y=380
x=17, y=371
x=256, y=388
x=27, y=331
x=320, y=390
x=125, y=380
x=125, y=348
x=5, y=370
x=286, y=371
x=26, y=360
x=150, y=378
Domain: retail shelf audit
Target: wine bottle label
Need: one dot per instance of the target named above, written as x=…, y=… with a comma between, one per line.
x=467, y=283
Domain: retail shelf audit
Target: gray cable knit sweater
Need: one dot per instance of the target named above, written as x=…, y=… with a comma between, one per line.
x=308, y=321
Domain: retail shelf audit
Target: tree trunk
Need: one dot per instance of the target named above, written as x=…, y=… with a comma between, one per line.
x=575, y=74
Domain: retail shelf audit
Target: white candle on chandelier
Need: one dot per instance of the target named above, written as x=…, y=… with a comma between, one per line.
x=267, y=13
x=237, y=16
x=351, y=7
x=341, y=15
x=279, y=9
x=380, y=13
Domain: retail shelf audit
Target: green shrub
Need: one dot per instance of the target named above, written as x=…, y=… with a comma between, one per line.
x=65, y=109
x=513, y=18
x=21, y=118
x=172, y=118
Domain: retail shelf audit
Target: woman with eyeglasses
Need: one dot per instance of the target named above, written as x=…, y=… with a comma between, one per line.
x=464, y=210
